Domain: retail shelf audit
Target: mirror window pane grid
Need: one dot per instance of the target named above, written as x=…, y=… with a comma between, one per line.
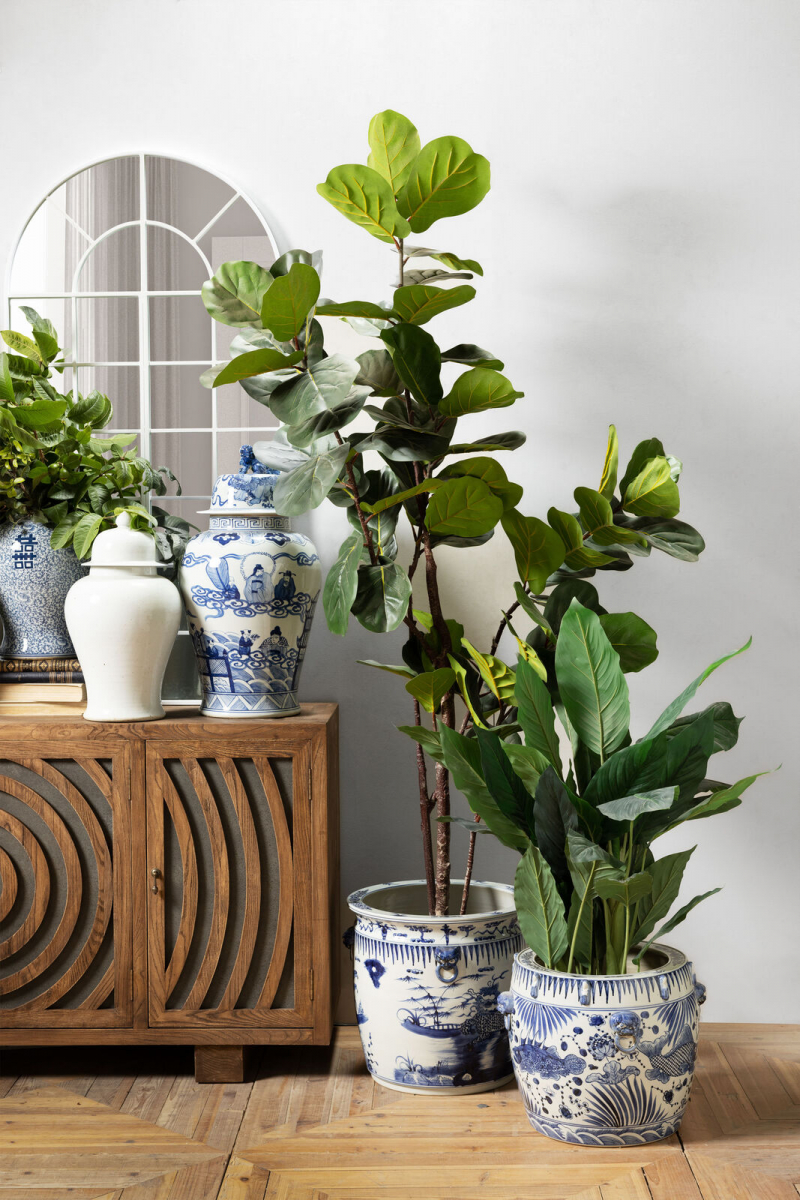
x=115, y=257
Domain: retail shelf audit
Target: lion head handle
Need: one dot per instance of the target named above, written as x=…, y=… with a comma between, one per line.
x=626, y=1028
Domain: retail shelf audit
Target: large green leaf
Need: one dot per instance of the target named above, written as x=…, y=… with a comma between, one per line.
x=580, y=923
x=417, y=360
x=553, y=815
x=535, y=713
x=464, y=507
x=403, y=671
x=562, y=596
x=41, y=414
x=284, y=264
x=339, y=413
x=431, y=687
x=597, y=519
x=341, y=584
x=376, y=371
x=676, y=920
x=445, y=180
x=496, y=674
x=393, y=145
x=529, y=763
x=672, y=537
x=511, y=440
x=540, y=909
x=84, y=533
x=321, y=387
x=353, y=308
x=653, y=492
x=666, y=874
x=382, y=598
x=677, y=706
x=492, y=474
x=472, y=356
x=578, y=557
x=256, y=362
x=644, y=452
x=726, y=724
x=462, y=757
x=624, y=891
x=632, y=638
x=538, y=550
x=21, y=344
x=628, y=808
x=723, y=800
x=591, y=682
x=478, y=390
x=608, y=481
x=423, y=737
x=419, y=304
x=288, y=302
x=6, y=382
x=235, y=293
x=685, y=765
x=307, y=485
x=364, y=197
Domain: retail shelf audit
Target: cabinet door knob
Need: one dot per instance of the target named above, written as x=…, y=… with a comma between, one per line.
x=156, y=875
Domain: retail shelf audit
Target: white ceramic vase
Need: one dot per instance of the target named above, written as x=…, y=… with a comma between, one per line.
x=427, y=987
x=123, y=618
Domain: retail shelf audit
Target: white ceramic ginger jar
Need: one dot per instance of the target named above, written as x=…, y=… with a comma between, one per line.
x=123, y=618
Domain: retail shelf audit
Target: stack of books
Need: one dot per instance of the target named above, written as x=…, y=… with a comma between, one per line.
x=41, y=686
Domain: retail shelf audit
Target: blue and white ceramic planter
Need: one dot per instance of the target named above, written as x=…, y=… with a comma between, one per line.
x=604, y=1060
x=34, y=581
x=427, y=987
x=250, y=586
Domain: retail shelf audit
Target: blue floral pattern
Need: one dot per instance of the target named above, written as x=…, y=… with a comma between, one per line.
x=34, y=581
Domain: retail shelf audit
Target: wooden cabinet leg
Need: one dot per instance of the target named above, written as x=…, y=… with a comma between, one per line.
x=219, y=1064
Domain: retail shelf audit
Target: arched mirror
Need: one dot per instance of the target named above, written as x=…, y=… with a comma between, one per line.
x=115, y=256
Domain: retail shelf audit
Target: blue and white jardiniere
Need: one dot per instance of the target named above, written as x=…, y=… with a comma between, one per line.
x=427, y=987
x=604, y=1060
x=34, y=581
x=250, y=586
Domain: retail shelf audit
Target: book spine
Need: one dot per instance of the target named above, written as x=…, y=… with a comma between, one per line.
x=28, y=665
x=41, y=677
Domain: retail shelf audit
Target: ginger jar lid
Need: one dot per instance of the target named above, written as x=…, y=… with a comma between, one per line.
x=249, y=491
x=123, y=547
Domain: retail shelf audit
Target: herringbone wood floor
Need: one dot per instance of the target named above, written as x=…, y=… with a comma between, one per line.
x=131, y=1124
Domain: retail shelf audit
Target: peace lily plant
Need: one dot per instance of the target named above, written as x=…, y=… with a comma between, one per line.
x=451, y=490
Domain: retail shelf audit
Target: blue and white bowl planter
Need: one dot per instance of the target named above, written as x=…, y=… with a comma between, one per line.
x=250, y=586
x=427, y=987
x=34, y=581
x=604, y=1060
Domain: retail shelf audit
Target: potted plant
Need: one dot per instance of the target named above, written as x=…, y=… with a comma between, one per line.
x=602, y=1016
x=431, y=954
x=60, y=485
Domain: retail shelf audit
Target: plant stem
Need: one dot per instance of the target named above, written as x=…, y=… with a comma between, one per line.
x=443, y=827
x=502, y=625
x=425, y=806
x=468, y=871
x=401, y=275
x=373, y=558
x=624, y=963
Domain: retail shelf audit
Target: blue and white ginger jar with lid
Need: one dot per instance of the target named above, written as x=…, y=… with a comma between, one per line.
x=250, y=585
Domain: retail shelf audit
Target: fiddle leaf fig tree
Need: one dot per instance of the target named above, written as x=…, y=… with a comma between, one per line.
x=417, y=463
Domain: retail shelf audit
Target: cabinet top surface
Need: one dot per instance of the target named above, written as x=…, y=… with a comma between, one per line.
x=311, y=716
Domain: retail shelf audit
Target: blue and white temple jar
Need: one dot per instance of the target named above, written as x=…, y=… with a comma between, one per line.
x=34, y=581
x=427, y=987
x=250, y=586
x=604, y=1060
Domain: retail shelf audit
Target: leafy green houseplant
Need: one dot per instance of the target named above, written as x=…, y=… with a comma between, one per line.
x=55, y=470
x=449, y=488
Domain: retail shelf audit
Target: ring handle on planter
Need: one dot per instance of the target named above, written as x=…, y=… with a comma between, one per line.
x=627, y=1025
x=505, y=1005
x=447, y=965
x=699, y=991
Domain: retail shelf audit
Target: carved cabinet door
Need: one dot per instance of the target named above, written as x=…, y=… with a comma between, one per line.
x=65, y=923
x=229, y=885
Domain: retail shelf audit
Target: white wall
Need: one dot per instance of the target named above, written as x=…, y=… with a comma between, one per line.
x=642, y=263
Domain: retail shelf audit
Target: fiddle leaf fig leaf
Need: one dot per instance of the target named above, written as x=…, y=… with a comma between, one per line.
x=592, y=685
x=597, y=519
x=538, y=549
x=644, y=452
x=465, y=507
x=235, y=293
x=492, y=475
x=394, y=144
x=417, y=360
x=288, y=302
x=632, y=638
x=365, y=197
x=376, y=371
x=256, y=362
x=353, y=308
x=608, y=480
x=446, y=179
x=284, y=264
x=472, y=356
x=444, y=256
x=321, y=387
x=382, y=598
x=512, y=440
x=478, y=390
x=418, y=304
x=653, y=492
x=673, y=537
x=568, y=529
x=431, y=687
x=540, y=909
x=307, y=485
x=341, y=584
x=498, y=677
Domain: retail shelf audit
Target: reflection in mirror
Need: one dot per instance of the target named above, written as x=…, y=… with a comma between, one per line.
x=115, y=256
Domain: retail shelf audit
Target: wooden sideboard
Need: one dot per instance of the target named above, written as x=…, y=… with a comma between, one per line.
x=169, y=881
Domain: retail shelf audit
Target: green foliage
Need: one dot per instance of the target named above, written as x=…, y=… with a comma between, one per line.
x=448, y=490
x=54, y=470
